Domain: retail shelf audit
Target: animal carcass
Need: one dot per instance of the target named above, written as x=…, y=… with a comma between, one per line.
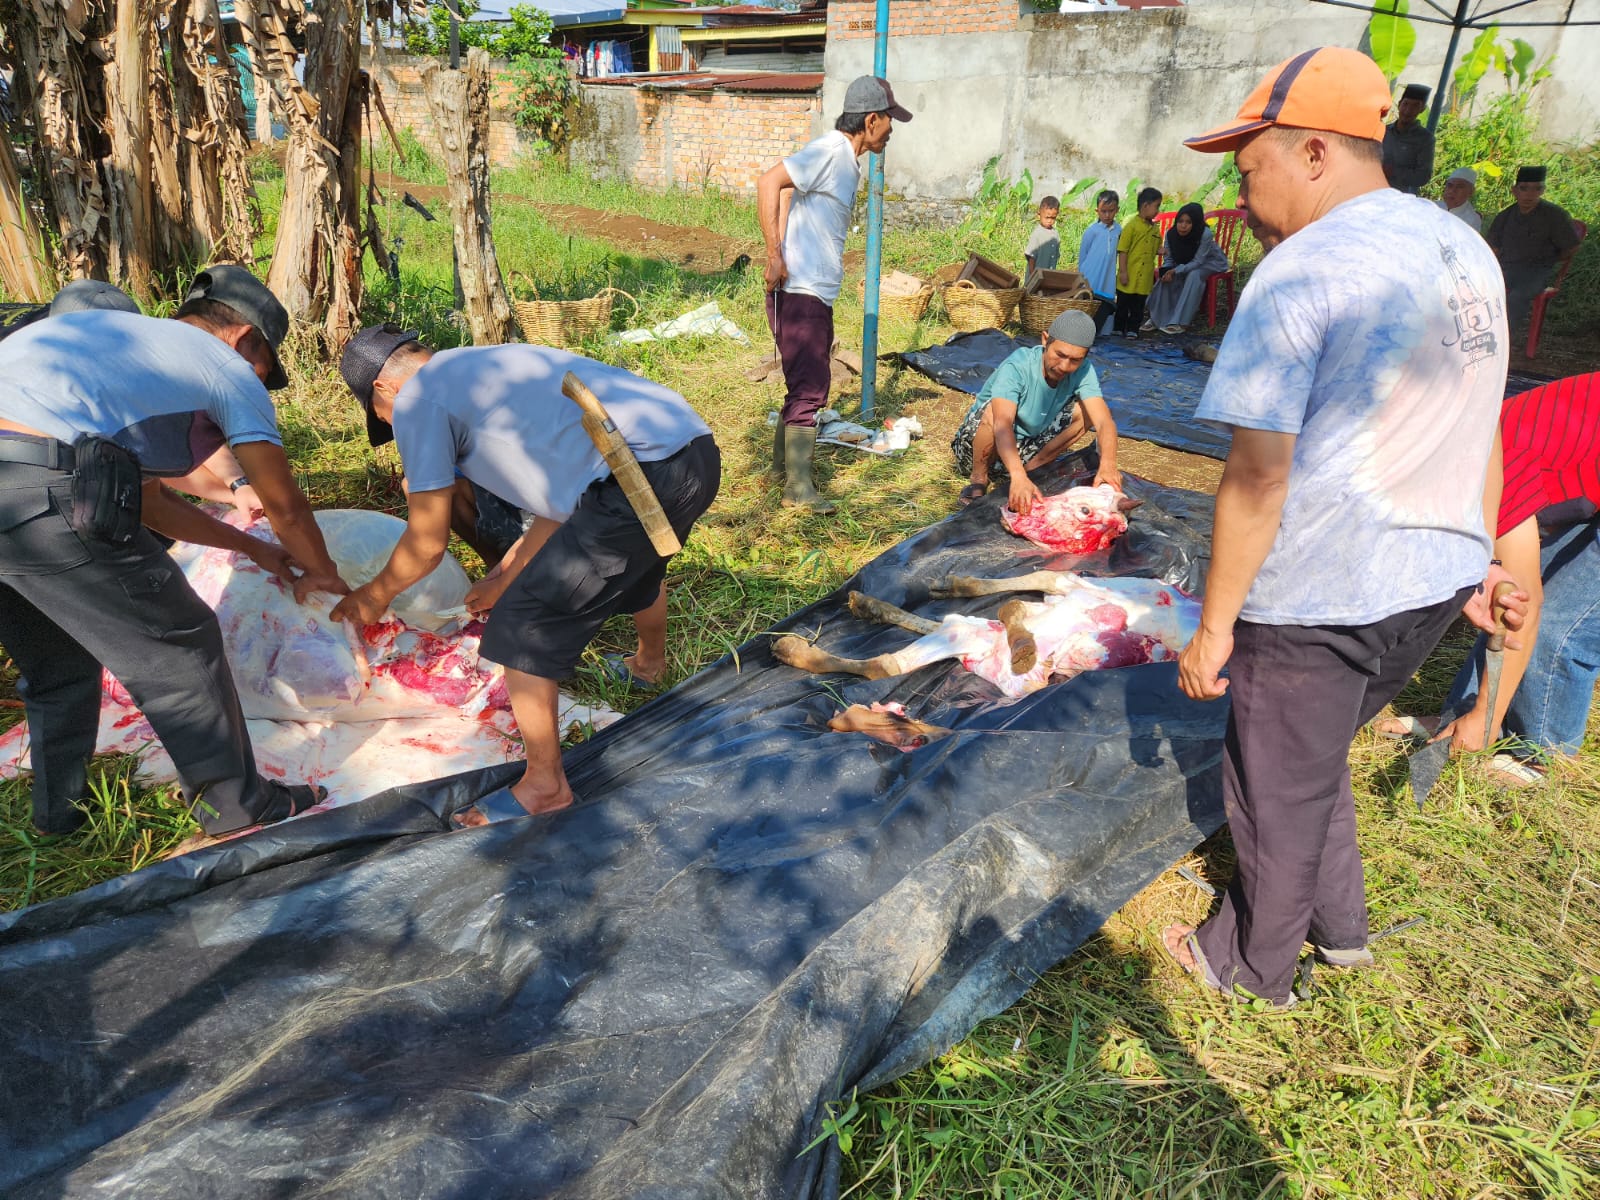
x=1080, y=520
x=1084, y=626
x=357, y=711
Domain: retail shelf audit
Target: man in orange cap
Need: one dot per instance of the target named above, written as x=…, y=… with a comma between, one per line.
x=1361, y=378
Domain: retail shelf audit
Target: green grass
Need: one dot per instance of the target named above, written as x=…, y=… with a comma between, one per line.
x=1467, y=1065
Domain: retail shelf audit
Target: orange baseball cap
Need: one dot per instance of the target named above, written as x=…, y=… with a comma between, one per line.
x=1342, y=91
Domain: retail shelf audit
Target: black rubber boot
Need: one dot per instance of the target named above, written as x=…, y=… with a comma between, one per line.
x=799, y=490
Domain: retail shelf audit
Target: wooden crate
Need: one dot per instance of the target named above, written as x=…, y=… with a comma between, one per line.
x=988, y=274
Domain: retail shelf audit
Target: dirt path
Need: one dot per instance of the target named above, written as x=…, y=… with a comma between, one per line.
x=692, y=247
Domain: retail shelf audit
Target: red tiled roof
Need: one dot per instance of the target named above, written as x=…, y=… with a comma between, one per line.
x=705, y=81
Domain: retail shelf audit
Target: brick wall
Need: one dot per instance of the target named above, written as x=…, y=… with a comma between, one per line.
x=688, y=139
x=917, y=18
x=400, y=80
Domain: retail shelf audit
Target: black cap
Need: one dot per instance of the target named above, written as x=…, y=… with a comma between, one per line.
x=362, y=363
x=82, y=295
x=1530, y=174
x=248, y=296
x=1416, y=91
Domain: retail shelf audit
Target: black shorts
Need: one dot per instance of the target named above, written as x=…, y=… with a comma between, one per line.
x=599, y=563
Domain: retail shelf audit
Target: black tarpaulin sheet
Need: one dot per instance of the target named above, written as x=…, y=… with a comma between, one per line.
x=1151, y=386
x=652, y=994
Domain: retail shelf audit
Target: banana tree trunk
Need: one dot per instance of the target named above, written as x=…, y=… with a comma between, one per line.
x=459, y=102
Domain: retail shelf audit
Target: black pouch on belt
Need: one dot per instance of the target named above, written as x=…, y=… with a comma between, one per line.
x=106, y=490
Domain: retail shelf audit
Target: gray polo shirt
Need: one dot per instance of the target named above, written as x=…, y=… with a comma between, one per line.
x=497, y=415
x=169, y=392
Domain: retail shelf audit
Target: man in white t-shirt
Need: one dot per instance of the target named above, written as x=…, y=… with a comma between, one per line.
x=1361, y=377
x=804, y=203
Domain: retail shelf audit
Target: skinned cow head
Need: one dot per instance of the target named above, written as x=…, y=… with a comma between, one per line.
x=1080, y=520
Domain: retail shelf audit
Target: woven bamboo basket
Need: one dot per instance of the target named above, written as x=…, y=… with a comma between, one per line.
x=971, y=308
x=905, y=308
x=566, y=322
x=1035, y=313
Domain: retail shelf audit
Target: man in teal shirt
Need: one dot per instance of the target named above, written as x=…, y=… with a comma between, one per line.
x=1035, y=405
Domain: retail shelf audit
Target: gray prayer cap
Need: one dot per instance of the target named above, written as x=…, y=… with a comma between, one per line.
x=81, y=295
x=1464, y=173
x=1074, y=327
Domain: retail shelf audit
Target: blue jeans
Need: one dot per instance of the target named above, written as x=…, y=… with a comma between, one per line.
x=1550, y=711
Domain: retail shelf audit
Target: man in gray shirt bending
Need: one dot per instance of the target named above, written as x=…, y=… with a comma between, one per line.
x=496, y=416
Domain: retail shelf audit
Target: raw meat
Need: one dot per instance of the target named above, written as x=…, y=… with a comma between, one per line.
x=1080, y=520
x=403, y=700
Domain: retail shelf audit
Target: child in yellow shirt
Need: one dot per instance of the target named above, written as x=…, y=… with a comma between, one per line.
x=1136, y=263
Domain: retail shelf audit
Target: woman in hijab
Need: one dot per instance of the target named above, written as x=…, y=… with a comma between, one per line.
x=1189, y=256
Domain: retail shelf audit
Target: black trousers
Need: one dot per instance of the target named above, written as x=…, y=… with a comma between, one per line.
x=70, y=605
x=1299, y=695
x=598, y=564
x=1130, y=311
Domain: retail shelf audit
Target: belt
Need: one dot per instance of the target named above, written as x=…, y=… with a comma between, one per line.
x=37, y=452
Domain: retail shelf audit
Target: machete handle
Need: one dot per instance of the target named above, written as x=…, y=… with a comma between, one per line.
x=602, y=431
x=1497, y=610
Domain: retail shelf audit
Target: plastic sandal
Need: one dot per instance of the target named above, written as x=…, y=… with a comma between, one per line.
x=1514, y=772
x=614, y=667
x=973, y=491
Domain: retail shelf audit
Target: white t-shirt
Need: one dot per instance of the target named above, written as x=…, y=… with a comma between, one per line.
x=826, y=176
x=497, y=414
x=1377, y=335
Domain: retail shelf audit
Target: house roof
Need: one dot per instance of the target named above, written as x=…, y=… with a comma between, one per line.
x=707, y=81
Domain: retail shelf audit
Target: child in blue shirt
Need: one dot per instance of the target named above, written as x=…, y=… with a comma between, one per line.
x=1097, y=255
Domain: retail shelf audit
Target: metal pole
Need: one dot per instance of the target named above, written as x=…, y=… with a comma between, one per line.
x=869, y=320
x=1449, y=61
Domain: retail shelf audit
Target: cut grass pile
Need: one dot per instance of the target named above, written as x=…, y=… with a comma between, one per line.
x=1466, y=1065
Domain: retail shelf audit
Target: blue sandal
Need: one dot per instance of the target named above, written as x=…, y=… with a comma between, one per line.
x=615, y=668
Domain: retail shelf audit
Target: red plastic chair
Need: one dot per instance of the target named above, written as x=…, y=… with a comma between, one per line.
x=1536, y=321
x=1227, y=226
x=1163, y=223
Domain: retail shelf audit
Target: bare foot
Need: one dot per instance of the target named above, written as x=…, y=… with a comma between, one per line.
x=470, y=817
x=1176, y=940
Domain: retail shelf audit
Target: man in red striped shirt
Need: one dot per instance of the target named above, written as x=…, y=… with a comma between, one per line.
x=1551, y=440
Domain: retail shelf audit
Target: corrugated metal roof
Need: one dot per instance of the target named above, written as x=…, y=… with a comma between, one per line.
x=706, y=81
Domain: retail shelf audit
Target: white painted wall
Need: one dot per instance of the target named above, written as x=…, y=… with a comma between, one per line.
x=1114, y=94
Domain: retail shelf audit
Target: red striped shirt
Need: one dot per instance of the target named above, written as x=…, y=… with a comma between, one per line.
x=1551, y=438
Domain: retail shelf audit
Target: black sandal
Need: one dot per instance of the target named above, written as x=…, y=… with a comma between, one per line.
x=973, y=491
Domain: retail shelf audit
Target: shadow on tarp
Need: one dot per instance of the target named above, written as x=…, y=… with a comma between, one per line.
x=1152, y=387
x=652, y=994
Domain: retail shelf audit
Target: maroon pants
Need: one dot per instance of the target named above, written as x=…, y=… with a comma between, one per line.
x=802, y=326
x=1299, y=695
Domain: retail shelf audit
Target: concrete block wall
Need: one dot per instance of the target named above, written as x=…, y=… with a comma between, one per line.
x=399, y=78
x=688, y=139
x=1112, y=95
x=850, y=19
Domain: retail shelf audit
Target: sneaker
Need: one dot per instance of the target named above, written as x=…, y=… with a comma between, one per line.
x=1131, y=334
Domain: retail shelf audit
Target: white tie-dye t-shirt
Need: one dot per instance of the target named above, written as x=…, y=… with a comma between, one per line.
x=1377, y=335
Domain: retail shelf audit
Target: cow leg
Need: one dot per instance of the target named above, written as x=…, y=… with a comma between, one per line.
x=797, y=652
x=1051, y=583
x=1024, y=650
x=869, y=608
